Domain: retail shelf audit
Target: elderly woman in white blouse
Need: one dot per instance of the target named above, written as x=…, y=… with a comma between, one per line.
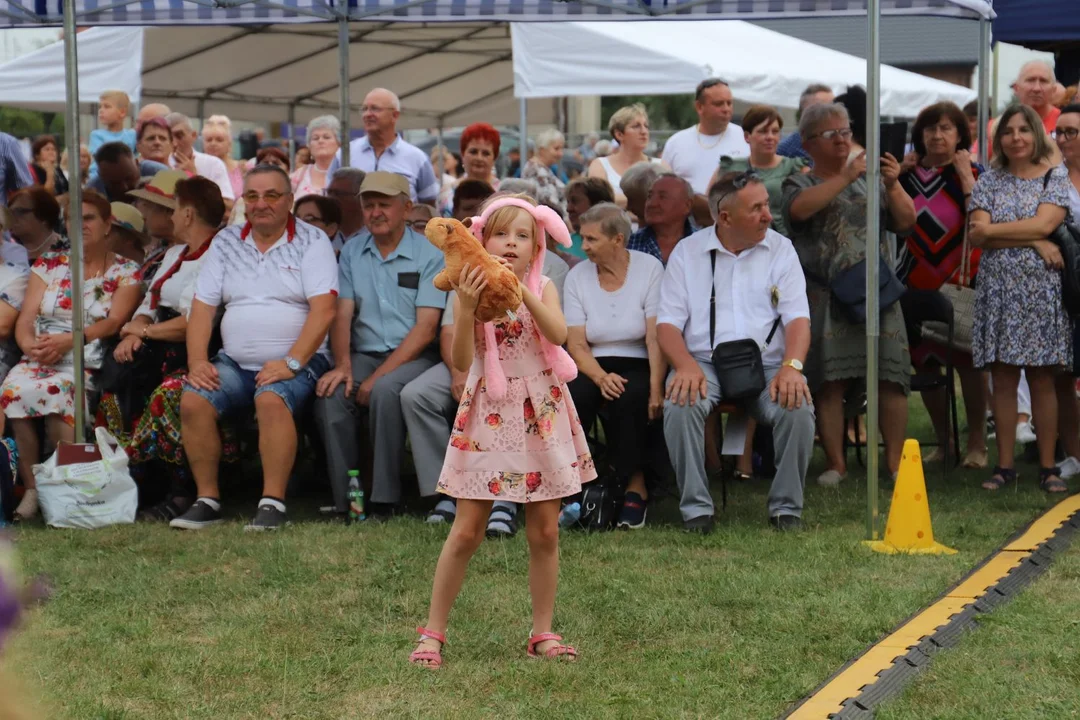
x=324, y=141
x=610, y=304
x=543, y=167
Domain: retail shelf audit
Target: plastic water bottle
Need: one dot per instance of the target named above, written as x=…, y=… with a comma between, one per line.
x=570, y=515
x=356, y=498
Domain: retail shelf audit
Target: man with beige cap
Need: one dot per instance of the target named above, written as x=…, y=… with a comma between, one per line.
x=382, y=338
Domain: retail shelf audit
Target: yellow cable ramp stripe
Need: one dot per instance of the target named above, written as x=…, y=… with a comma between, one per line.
x=864, y=671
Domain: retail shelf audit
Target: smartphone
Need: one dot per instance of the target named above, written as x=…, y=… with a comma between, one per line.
x=894, y=139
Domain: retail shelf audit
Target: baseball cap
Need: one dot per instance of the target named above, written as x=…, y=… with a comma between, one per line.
x=385, y=183
x=161, y=189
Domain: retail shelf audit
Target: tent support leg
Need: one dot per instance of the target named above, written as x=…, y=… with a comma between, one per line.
x=201, y=110
x=292, y=136
x=440, y=168
x=72, y=137
x=343, y=86
x=873, y=252
x=984, y=88
x=523, y=129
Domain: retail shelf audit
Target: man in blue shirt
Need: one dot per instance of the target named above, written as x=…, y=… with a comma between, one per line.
x=14, y=169
x=119, y=172
x=382, y=338
x=667, y=217
x=382, y=148
x=791, y=146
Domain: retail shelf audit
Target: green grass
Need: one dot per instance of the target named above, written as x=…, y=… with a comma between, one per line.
x=317, y=621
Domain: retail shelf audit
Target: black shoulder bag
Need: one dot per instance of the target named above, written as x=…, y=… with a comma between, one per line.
x=738, y=365
x=1067, y=239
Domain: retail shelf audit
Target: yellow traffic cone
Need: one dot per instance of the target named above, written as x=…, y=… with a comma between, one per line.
x=909, y=529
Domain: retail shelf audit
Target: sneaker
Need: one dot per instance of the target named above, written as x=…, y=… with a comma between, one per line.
x=786, y=523
x=444, y=512
x=700, y=525
x=632, y=515
x=266, y=517
x=199, y=516
x=1069, y=467
x=1025, y=433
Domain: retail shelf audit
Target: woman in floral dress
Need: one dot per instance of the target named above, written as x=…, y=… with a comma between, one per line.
x=42, y=385
x=1020, y=319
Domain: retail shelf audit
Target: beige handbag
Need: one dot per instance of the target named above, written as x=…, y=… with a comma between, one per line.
x=962, y=297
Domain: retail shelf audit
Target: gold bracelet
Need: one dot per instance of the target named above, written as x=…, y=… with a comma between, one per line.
x=144, y=330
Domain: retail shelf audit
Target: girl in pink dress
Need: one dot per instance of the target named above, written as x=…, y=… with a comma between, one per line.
x=516, y=436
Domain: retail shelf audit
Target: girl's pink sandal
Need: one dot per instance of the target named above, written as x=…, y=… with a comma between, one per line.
x=428, y=658
x=555, y=651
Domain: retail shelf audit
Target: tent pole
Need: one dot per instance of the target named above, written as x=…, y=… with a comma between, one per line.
x=201, y=107
x=873, y=253
x=343, y=86
x=71, y=131
x=93, y=116
x=440, y=168
x=523, y=131
x=984, y=88
x=292, y=136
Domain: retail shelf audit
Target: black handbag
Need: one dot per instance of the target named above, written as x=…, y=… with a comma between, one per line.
x=849, y=290
x=1067, y=239
x=738, y=365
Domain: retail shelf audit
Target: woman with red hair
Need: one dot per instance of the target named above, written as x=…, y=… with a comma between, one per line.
x=479, y=151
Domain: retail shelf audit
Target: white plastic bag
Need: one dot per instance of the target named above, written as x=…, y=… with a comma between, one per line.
x=88, y=494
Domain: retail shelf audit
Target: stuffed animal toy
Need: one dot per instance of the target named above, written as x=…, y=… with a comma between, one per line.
x=502, y=296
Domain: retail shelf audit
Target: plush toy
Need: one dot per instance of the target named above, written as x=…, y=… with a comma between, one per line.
x=502, y=296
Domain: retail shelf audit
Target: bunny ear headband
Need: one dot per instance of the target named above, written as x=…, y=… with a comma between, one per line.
x=547, y=220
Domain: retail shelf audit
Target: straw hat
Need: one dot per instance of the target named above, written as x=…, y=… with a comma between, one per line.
x=127, y=217
x=161, y=190
x=5, y=218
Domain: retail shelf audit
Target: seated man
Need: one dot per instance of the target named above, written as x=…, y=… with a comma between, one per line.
x=119, y=172
x=668, y=205
x=277, y=280
x=757, y=282
x=386, y=280
x=345, y=188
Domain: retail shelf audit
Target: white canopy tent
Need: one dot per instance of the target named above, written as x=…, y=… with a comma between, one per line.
x=70, y=13
x=109, y=59
x=659, y=57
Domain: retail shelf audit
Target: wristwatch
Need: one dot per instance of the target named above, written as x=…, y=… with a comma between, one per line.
x=293, y=364
x=793, y=364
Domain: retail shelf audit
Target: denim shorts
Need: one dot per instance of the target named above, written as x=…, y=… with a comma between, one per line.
x=237, y=391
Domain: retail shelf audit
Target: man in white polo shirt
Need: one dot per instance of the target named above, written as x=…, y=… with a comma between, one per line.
x=186, y=157
x=276, y=279
x=382, y=148
x=694, y=153
x=760, y=293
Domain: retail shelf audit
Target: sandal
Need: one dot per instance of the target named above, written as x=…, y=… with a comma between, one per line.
x=428, y=658
x=553, y=652
x=502, y=522
x=975, y=460
x=1000, y=477
x=28, y=507
x=1049, y=481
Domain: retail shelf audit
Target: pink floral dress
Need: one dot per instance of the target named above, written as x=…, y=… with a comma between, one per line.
x=32, y=390
x=527, y=447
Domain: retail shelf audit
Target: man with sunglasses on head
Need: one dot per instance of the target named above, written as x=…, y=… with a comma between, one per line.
x=276, y=281
x=750, y=278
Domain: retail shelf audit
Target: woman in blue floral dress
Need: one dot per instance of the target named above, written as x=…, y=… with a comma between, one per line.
x=1020, y=320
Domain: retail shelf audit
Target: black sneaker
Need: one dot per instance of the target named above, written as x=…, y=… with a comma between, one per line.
x=702, y=524
x=267, y=517
x=632, y=515
x=786, y=523
x=199, y=516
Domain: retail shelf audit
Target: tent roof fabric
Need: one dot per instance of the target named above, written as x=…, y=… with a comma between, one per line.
x=1036, y=22
x=592, y=58
x=19, y=13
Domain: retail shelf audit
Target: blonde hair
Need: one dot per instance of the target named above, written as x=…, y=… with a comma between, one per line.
x=501, y=218
x=624, y=116
x=219, y=121
x=119, y=98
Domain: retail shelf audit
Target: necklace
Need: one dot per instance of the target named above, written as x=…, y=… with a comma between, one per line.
x=719, y=139
x=31, y=251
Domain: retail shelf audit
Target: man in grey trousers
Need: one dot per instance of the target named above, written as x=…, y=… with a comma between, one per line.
x=735, y=280
x=387, y=316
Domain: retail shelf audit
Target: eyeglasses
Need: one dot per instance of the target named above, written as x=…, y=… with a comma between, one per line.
x=271, y=197
x=419, y=225
x=312, y=219
x=843, y=134
x=1066, y=133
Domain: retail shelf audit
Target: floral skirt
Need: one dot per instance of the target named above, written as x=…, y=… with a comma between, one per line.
x=35, y=391
x=155, y=435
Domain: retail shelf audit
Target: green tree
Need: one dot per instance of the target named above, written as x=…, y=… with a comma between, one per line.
x=21, y=123
x=666, y=112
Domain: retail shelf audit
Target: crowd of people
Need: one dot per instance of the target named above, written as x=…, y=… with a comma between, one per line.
x=300, y=293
